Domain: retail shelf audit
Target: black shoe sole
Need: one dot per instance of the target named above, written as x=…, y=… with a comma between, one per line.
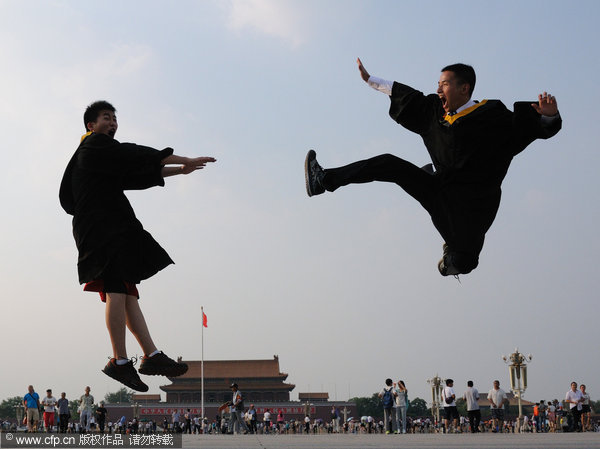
x=167, y=372
x=309, y=157
x=143, y=387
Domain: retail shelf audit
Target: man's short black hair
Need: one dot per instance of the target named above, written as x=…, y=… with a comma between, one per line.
x=470, y=383
x=448, y=382
x=389, y=382
x=92, y=111
x=465, y=74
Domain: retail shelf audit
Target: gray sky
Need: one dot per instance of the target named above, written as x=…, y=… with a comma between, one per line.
x=343, y=287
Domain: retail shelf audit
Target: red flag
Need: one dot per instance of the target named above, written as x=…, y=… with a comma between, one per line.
x=204, y=319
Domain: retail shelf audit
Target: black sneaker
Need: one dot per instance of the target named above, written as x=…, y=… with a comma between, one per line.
x=313, y=174
x=126, y=374
x=161, y=365
x=445, y=264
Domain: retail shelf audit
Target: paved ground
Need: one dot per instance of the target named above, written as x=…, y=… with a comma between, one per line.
x=587, y=440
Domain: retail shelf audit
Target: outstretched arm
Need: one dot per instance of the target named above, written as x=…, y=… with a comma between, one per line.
x=185, y=165
x=546, y=105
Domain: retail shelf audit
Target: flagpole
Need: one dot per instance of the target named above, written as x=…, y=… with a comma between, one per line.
x=202, y=365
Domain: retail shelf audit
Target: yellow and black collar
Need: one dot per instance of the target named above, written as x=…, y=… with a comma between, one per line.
x=451, y=119
x=85, y=135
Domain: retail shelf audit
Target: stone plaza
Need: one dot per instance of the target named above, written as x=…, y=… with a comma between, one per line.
x=588, y=440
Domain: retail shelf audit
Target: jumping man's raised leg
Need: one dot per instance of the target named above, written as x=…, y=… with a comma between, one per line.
x=136, y=323
x=418, y=183
x=119, y=367
x=464, y=240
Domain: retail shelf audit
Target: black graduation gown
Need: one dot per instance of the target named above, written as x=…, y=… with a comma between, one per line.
x=471, y=156
x=111, y=241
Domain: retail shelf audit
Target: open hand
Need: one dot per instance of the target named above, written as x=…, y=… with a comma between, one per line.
x=363, y=72
x=192, y=164
x=546, y=105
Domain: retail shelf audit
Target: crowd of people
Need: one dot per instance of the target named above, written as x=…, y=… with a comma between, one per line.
x=50, y=414
x=272, y=422
x=573, y=414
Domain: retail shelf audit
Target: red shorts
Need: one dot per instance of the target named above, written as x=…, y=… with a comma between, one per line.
x=121, y=287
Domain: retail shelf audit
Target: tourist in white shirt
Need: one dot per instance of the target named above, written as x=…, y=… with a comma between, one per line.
x=448, y=401
x=497, y=398
x=471, y=396
x=574, y=398
x=586, y=409
x=307, y=424
x=49, y=403
x=267, y=420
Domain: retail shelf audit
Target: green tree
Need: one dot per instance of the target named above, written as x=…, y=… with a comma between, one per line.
x=418, y=407
x=369, y=406
x=74, y=409
x=461, y=406
x=7, y=407
x=122, y=396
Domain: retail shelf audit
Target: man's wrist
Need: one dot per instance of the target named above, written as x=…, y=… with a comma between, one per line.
x=381, y=85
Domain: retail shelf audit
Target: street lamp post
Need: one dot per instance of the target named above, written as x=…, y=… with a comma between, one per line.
x=19, y=411
x=517, y=365
x=307, y=407
x=436, y=396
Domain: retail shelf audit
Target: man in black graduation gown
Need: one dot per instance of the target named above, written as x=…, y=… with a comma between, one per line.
x=115, y=252
x=471, y=145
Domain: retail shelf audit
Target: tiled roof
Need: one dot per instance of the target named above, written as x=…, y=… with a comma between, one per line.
x=234, y=369
x=244, y=387
x=313, y=395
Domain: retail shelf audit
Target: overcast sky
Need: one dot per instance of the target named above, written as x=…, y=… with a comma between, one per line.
x=343, y=287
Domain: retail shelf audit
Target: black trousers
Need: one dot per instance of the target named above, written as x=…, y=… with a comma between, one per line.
x=576, y=418
x=461, y=222
x=474, y=420
x=64, y=422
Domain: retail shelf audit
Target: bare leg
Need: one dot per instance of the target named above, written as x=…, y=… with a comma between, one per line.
x=115, y=323
x=137, y=325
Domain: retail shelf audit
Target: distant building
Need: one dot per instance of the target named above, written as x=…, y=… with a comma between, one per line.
x=259, y=380
x=313, y=397
x=145, y=398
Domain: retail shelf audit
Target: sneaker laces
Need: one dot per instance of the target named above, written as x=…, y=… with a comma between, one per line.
x=316, y=171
